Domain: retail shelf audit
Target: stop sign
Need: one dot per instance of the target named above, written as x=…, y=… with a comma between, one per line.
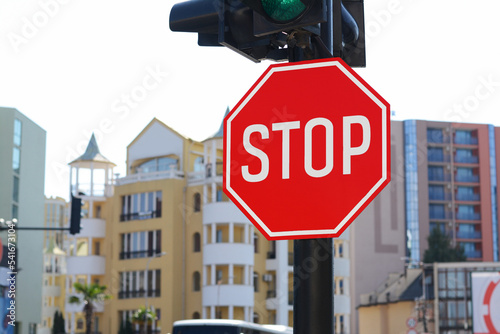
x=306, y=149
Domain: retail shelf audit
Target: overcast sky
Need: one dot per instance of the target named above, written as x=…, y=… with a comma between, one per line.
x=74, y=67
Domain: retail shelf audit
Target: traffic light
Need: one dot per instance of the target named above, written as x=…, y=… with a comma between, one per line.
x=76, y=215
x=226, y=23
x=264, y=29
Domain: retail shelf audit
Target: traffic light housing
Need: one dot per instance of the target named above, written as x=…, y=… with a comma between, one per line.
x=263, y=29
x=76, y=215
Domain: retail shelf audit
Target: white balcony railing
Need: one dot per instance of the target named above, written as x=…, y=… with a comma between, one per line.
x=143, y=177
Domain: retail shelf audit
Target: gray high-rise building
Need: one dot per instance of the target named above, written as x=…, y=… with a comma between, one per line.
x=22, y=171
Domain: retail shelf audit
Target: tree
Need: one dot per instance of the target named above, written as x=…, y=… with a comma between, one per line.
x=90, y=294
x=144, y=317
x=58, y=324
x=440, y=249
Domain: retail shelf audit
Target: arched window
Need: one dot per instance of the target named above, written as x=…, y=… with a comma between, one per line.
x=196, y=281
x=196, y=242
x=196, y=315
x=197, y=202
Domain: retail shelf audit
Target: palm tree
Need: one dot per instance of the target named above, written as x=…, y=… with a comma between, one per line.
x=90, y=294
x=144, y=316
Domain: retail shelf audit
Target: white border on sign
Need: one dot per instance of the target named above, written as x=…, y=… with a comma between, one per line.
x=361, y=202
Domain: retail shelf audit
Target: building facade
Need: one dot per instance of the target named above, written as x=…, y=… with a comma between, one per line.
x=22, y=172
x=435, y=298
x=178, y=245
x=54, y=263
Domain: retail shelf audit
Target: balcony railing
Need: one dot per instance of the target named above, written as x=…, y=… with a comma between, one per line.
x=467, y=197
x=434, y=196
x=440, y=177
x=467, y=160
x=139, y=254
x=465, y=141
x=473, y=254
x=438, y=158
x=440, y=215
x=467, y=178
x=138, y=294
x=468, y=216
x=140, y=215
x=469, y=235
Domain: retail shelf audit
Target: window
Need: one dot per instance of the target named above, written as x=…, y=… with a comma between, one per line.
x=255, y=282
x=436, y=173
x=197, y=202
x=16, y=159
x=219, y=236
x=434, y=135
x=140, y=244
x=196, y=281
x=196, y=242
x=435, y=154
x=436, y=192
x=17, y=132
x=436, y=211
x=139, y=284
x=79, y=324
x=97, y=248
x=141, y=206
x=15, y=191
x=466, y=174
x=157, y=165
x=255, y=243
x=196, y=315
x=199, y=166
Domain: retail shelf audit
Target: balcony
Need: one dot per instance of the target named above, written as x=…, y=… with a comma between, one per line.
x=440, y=215
x=436, y=196
x=139, y=294
x=139, y=254
x=468, y=216
x=467, y=178
x=465, y=141
x=86, y=265
x=466, y=160
x=140, y=215
x=439, y=177
x=151, y=176
x=474, y=254
x=468, y=197
x=438, y=158
x=469, y=235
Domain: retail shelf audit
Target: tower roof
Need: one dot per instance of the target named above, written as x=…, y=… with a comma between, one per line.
x=220, y=132
x=92, y=153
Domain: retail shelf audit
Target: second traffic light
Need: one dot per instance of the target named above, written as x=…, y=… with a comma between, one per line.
x=76, y=215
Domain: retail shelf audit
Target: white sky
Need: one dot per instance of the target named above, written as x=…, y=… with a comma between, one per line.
x=68, y=65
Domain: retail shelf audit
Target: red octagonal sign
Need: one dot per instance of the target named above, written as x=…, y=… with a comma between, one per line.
x=306, y=149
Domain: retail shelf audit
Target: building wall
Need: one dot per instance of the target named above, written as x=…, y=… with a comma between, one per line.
x=386, y=318
x=378, y=236
x=30, y=206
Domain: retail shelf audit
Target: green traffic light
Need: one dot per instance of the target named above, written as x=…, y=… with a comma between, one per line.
x=283, y=10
